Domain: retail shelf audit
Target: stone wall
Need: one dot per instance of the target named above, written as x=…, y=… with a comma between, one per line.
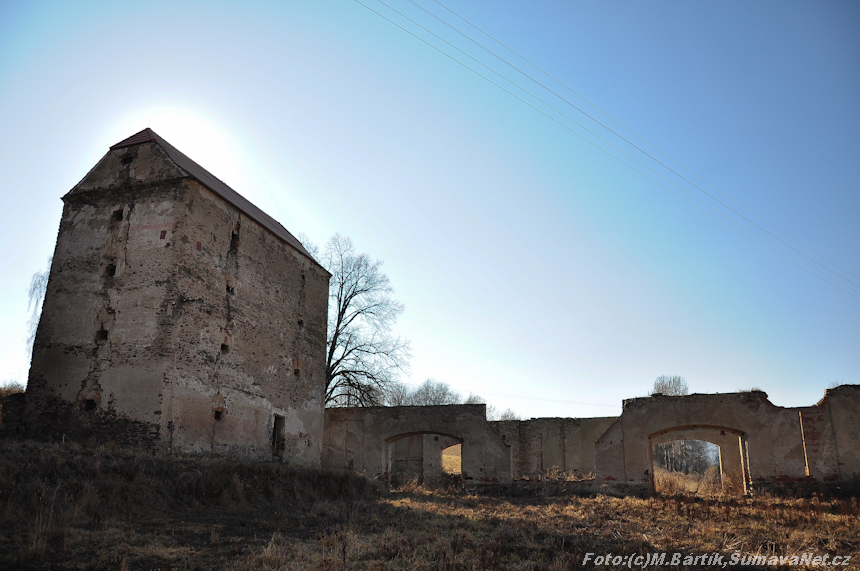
x=763, y=442
x=409, y=440
x=174, y=320
x=540, y=444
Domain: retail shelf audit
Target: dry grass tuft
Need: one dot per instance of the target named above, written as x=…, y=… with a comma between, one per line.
x=11, y=388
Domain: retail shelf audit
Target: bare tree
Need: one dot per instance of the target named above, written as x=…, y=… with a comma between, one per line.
x=433, y=393
x=36, y=295
x=670, y=386
x=395, y=393
x=507, y=414
x=362, y=355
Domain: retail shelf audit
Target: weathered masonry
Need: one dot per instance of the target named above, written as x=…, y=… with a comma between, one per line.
x=541, y=444
x=407, y=441
x=760, y=443
x=178, y=315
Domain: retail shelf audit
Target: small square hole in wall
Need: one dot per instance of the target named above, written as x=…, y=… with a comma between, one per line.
x=89, y=404
x=301, y=323
x=225, y=348
x=296, y=372
x=126, y=159
x=163, y=235
x=219, y=415
x=101, y=335
x=110, y=270
x=117, y=215
x=231, y=290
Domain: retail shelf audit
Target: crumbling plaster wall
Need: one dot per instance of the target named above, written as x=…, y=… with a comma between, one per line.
x=362, y=438
x=539, y=444
x=843, y=408
x=818, y=442
x=210, y=324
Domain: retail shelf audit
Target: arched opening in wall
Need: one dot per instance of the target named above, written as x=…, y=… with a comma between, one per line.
x=418, y=457
x=686, y=466
x=452, y=460
x=698, y=459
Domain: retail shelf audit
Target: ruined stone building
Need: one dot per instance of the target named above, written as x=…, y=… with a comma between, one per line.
x=760, y=444
x=179, y=316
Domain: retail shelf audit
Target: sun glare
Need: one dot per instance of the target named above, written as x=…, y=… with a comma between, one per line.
x=196, y=135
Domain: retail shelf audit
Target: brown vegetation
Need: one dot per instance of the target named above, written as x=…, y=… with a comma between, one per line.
x=11, y=389
x=73, y=508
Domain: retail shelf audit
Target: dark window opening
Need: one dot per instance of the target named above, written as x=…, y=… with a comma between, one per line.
x=219, y=415
x=231, y=290
x=296, y=372
x=163, y=235
x=278, y=443
x=101, y=334
x=89, y=404
x=126, y=159
x=301, y=324
x=117, y=215
x=234, y=241
x=304, y=279
x=225, y=348
x=110, y=270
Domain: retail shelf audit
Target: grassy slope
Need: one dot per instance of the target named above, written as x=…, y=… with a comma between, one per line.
x=71, y=508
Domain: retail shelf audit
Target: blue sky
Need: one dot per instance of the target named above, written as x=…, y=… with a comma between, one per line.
x=536, y=270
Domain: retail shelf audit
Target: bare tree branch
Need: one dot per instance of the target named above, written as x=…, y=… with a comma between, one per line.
x=36, y=295
x=363, y=356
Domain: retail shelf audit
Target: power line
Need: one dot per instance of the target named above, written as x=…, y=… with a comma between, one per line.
x=850, y=284
x=625, y=127
x=837, y=286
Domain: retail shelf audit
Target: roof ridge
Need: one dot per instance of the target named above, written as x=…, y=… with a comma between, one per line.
x=145, y=136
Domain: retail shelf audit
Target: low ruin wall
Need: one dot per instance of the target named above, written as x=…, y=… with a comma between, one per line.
x=541, y=444
x=764, y=442
x=374, y=440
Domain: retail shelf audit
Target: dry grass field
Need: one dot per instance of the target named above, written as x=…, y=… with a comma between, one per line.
x=116, y=509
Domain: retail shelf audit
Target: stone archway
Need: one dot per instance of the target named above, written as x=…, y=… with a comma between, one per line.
x=732, y=444
x=775, y=443
x=361, y=438
x=417, y=455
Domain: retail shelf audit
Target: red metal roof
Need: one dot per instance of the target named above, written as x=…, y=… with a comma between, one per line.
x=209, y=180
